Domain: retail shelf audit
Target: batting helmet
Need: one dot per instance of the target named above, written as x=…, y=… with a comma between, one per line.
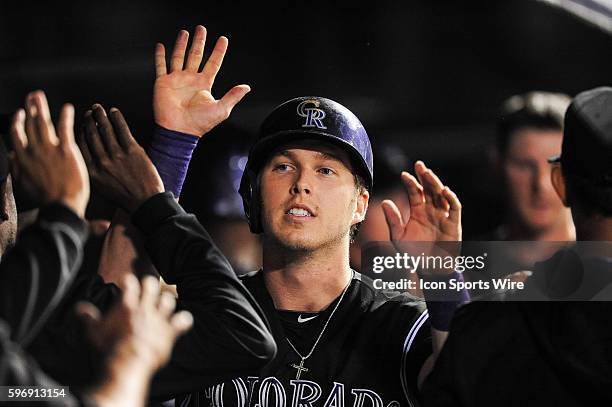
x=307, y=117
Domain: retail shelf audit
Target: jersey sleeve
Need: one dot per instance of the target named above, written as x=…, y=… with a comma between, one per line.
x=416, y=348
x=36, y=273
x=230, y=335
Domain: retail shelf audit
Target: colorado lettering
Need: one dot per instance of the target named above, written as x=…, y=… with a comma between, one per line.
x=270, y=392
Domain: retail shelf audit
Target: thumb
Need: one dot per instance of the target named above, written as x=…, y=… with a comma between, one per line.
x=182, y=321
x=233, y=96
x=393, y=218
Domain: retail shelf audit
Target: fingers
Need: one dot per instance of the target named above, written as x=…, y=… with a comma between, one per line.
x=150, y=292
x=178, y=54
x=122, y=130
x=454, y=212
x=196, y=52
x=432, y=186
x=233, y=96
x=393, y=217
x=92, y=137
x=85, y=151
x=181, y=322
x=31, y=129
x=130, y=288
x=42, y=117
x=160, y=60
x=105, y=128
x=65, y=125
x=212, y=66
x=167, y=303
x=415, y=192
x=18, y=134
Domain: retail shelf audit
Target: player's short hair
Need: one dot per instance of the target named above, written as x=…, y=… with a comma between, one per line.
x=538, y=110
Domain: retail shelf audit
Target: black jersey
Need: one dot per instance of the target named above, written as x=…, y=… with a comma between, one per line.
x=532, y=353
x=369, y=355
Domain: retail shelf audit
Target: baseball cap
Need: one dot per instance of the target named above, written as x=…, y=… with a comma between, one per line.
x=587, y=136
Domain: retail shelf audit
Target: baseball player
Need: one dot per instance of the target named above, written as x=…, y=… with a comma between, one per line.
x=305, y=190
x=559, y=352
x=340, y=341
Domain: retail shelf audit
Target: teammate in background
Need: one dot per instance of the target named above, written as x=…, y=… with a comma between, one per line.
x=36, y=273
x=530, y=129
x=557, y=352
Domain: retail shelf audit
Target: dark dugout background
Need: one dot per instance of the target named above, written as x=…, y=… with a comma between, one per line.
x=426, y=76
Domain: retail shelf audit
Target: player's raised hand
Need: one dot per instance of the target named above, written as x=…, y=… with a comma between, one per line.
x=435, y=210
x=142, y=325
x=118, y=166
x=49, y=164
x=182, y=95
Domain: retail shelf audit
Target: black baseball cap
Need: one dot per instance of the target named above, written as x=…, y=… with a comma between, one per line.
x=587, y=137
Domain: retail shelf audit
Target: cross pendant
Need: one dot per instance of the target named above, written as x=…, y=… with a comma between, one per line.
x=300, y=368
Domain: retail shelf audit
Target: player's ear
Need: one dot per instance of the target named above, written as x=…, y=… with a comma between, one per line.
x=363, y=198
x=556, y=177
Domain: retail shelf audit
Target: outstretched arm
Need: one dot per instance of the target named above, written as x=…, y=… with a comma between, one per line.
x=228, y=322
x=433, y=226
x=138, y=334
x=184, y=110
x=36, y=273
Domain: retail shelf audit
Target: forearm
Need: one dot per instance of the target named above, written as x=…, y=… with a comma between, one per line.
x=36, y=273
x=227, y=320
x=170, y=152
x=125, y=384
x=441, y=305
x=123, y=251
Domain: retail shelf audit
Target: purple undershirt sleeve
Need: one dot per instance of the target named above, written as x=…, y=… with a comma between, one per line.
x=170, y=151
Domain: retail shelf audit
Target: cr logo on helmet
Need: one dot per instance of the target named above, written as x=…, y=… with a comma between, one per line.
x=314, y=116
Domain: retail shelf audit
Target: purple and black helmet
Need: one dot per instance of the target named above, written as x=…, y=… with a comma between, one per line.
x=307, y=117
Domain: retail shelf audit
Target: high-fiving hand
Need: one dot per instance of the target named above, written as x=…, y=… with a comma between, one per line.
x=435, y=211
x=182, y=97
x=142, y=325
x=49, y=164
x=118, y=166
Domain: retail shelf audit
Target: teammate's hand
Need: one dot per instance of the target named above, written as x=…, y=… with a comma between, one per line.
x=182, y=99
x=435, y=212
x=118, y=166
x=49, y=165
x=142, y=327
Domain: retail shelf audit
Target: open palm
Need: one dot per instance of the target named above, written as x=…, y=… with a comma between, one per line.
x=435, y=211
x=182, y=98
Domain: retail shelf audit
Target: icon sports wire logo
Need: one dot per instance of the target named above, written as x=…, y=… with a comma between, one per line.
x=314, y=116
